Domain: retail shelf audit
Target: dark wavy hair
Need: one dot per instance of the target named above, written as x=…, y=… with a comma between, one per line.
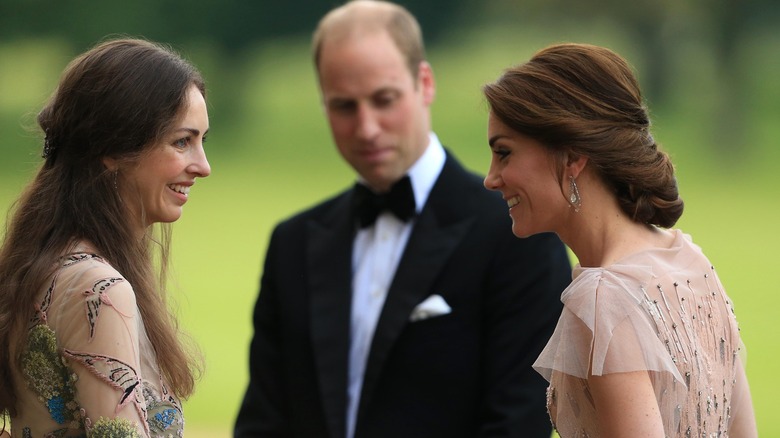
x=113, y=101
x=585, y=100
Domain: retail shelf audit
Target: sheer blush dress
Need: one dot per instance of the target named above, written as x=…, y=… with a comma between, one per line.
x=89, y=369
x=663, y=311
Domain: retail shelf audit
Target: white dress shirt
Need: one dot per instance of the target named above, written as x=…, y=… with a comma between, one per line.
x=376, y=252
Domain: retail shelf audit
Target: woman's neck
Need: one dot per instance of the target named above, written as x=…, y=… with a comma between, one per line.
x=603, y=234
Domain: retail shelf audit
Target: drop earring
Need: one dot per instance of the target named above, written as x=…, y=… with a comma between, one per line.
x=574, y=194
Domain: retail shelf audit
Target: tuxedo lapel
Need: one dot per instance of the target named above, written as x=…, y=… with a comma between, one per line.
x=438, y=230
x=329, y=262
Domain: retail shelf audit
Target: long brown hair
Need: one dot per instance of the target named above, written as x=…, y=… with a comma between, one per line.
x=584, y=100
x=115, y=100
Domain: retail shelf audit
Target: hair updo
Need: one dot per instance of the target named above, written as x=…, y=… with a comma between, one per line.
x=585, y=100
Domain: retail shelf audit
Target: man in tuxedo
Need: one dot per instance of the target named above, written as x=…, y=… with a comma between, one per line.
x=404, y=306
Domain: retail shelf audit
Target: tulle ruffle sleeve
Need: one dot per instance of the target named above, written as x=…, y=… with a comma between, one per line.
x=661, y=311
x=606, y=327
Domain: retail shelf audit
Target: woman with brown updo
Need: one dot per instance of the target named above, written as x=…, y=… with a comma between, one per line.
x=647, y=345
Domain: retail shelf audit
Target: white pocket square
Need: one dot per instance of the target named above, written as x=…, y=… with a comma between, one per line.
x=434, y=305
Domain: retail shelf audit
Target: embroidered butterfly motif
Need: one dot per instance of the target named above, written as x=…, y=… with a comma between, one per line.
x=116, y=373
x=96, y=297
x=79, y=257
x=42, y=308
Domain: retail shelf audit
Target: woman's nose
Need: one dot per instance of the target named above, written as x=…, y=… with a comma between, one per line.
x=200, y=165
x=491, y=181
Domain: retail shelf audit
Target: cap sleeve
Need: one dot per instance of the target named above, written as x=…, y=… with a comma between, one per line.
x=96, y=319
x=606, y=327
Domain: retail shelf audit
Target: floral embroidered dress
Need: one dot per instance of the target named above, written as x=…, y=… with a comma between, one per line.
x=662, y=311
x=89, y=369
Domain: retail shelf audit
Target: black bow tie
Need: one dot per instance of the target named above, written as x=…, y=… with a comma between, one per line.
x=399, y=200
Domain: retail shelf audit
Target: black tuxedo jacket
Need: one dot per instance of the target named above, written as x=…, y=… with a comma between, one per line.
x=464, y=374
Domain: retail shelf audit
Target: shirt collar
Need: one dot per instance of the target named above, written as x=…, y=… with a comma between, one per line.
x=425, y=171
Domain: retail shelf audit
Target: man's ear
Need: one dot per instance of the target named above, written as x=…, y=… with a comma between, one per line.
x=426, y=82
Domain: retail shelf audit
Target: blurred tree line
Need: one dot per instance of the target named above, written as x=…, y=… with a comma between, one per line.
x=656, y=27
x=713, y=31
x=233, y=24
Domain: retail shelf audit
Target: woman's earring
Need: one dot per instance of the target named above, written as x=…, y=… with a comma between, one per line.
x=116, y=187
x=574, y=194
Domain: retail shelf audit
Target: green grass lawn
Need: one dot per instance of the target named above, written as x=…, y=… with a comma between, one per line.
x=271, y=155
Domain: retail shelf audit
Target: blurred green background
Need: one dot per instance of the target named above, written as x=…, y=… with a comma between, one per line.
x=709, y=70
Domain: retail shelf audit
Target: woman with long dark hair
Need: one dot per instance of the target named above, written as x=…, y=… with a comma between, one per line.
x=88, y=344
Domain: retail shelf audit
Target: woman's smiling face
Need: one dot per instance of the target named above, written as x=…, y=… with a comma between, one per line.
x=162, y=177
x=524, y=171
